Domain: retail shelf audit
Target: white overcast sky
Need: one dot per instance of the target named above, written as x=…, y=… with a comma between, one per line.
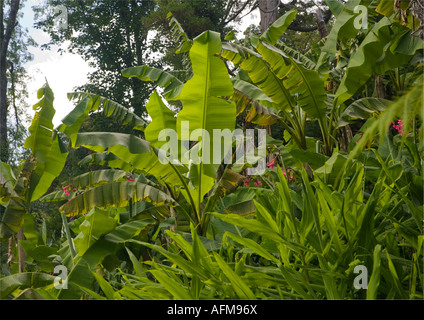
x=63, y=72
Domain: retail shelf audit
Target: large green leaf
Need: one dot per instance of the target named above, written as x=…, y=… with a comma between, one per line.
x=46, y=146
x=96, y=223
x=41, y=129
x=55, y=162
x=24, y=280
x=16, y=208
x=305, y=84
x=262, y=76
x=116, y=194
x=343, y=29
x=205, y=108
x=373, y=56
x=203, y=96
x=162, y=118
x=277, y=28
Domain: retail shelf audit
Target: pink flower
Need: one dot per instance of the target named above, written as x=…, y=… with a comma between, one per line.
x=290, y=177
x=398, y=126
x=246, y=183
x=130, y=179
x=65, y=189
x=271, y=164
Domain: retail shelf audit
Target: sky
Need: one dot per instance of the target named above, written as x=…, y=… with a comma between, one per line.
x=64, y=71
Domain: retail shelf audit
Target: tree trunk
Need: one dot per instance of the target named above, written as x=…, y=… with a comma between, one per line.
x=269, y=12
x=322, y=28
x=379, y=90
x=5, y=36
x=4, y=145
x=140, y=36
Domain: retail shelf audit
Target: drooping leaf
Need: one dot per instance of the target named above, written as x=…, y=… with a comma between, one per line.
x=260, y=109
x=362, y=109
x=296, y=55
x=87, y=102
x=261, y=75
x=7, y=182
x=171, y=84
x=177, y=30
x=344, y=28
x=115, y=194
x=335, y=6
x=97, y=177
x=133, y=150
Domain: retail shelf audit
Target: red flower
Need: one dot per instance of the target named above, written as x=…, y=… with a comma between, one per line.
x=130, y=179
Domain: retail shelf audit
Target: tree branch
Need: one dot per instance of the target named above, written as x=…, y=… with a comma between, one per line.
x=236, y=13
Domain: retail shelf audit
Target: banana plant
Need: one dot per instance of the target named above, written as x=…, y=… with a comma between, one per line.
x=289, y=93
x=205, y=106
x=47, y=159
